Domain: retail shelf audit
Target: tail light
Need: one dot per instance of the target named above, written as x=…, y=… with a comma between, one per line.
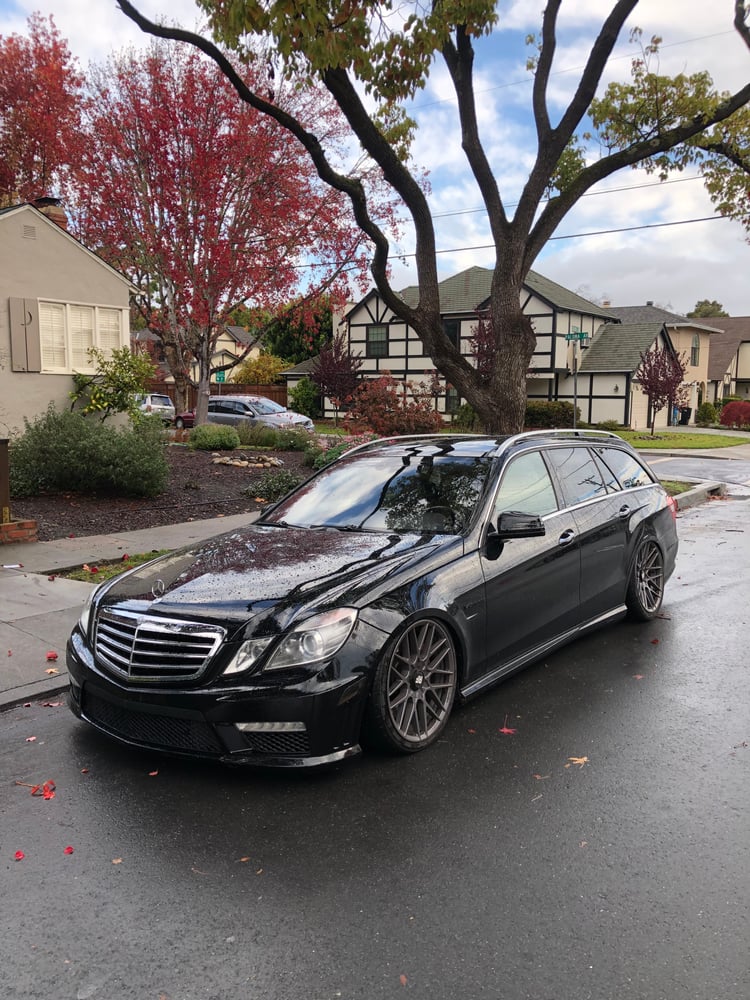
x=672, y=504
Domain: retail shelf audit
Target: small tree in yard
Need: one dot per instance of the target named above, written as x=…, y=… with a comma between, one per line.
x=661, y=373
x=336, y=373
x=115, y=384
x=383, y=404
x=263, y=370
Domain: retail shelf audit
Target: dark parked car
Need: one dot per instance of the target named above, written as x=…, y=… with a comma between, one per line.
x=249, y=410
x=408, y=573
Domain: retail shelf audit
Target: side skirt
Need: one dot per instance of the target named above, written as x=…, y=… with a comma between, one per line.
x=537, y=652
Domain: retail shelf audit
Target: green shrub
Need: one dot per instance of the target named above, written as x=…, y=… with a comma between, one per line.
x=465, y=418
x=278, y=439
x=275, y=485
x=305, y=398
x=546, y=413
x=65, y=451
x=609, y=425
x=213, y=437
x=705, y=415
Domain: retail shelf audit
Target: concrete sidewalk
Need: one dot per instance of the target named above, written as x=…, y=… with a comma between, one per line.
x=38, y=609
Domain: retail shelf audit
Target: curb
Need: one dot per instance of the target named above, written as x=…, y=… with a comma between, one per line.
x=699, y=494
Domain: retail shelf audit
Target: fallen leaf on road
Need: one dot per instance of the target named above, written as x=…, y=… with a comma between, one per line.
x=84, y=770
x=51, y=655
x=116, y=861
x=578, y=761
x=152, y=774
x=654, y=642
x=68, y=849
x=506, y=730
x=402, y=979
x=52, y=704
x=10, y=652
x=541, y=777
x=244, y=859
x=638, y=677
x=19, y=855
x=52, y=671
x=472, y=732
x=31, y=739
x=51, y=578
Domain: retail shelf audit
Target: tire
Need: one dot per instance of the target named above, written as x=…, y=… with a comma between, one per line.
x=413, y=690
x=646, y=584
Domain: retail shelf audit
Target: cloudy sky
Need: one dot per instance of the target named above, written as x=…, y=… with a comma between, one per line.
x=674, y=262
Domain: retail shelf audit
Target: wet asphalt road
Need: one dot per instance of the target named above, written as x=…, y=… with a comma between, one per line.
x=494, y=865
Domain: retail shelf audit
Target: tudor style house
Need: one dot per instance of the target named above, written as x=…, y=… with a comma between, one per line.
x=385, y=343
x=57, y=300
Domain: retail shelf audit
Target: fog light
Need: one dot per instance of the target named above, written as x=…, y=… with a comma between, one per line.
x=271, y=727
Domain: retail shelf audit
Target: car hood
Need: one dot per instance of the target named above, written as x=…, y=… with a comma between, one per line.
x=273, y=572
x=282, y=419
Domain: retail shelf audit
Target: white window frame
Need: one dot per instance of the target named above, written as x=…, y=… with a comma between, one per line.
x=83, y=325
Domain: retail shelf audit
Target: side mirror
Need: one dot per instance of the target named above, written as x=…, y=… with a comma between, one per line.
x=516, y=524
x=511, y=524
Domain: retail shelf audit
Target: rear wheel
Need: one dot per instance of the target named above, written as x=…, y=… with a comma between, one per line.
x=646, y=584
x=414, y=689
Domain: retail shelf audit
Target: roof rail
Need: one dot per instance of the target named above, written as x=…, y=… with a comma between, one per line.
x=563, y=433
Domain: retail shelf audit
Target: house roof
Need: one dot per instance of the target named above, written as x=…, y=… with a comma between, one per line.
x=617, y=347
x=303, y=368
x=240, y=334
x=466, y=291
x=655, y=314
x=27, y=207
x=724, y=345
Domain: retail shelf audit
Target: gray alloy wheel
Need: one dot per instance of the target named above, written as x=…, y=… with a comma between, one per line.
x=414, y=688
x=646, y=585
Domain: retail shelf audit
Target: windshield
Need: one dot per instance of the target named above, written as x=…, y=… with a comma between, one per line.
x=398, y=492
x=266, y=406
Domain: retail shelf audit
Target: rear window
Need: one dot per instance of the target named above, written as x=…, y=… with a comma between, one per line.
x=628, y=470
x=161, y=401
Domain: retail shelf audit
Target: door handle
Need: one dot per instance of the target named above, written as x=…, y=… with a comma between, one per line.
x=566, y=537
x=623, y=512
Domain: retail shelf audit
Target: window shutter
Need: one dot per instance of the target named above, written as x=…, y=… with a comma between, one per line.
x=25, y=348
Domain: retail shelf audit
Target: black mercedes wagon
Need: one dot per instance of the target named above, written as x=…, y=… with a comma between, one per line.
x=407, y=574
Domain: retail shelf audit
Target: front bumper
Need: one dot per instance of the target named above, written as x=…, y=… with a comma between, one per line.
x=312, y=722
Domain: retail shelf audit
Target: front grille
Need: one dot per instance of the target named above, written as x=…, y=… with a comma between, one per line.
x=159, y=731
x=279, y=744
x=160, y=650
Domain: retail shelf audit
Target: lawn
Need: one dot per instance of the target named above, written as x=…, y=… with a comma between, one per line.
x=678, y=439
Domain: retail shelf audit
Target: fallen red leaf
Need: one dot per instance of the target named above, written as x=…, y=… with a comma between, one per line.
x=152, y=774
x=506, y=730
x=51, y=704
x=654, y=642
x=51, y=578
x=472, y=731
x=125, y=557
x=31, y=739
x=116, y=861
x=402, y=979
x=10, y=652
x=68, y=849
x=19, y=855
x=84, y=770
x=51, y=655
x=638, y=677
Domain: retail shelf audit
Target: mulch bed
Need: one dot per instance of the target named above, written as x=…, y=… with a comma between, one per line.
x=196, y=489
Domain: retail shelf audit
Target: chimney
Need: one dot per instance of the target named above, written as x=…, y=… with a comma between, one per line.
x=649, y=302
x=52, y=208
x=606, y=303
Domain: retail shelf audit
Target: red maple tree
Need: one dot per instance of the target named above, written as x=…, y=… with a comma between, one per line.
x=40, y=109
x=661, y=374
x=204, y=203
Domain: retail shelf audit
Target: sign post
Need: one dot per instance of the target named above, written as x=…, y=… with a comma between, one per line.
x=577, y=336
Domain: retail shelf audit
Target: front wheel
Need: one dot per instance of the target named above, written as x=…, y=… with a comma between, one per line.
x=646, y=584
x=414, y=689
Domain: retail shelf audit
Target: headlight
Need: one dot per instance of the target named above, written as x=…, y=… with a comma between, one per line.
x=316, y=639
x=85, y=619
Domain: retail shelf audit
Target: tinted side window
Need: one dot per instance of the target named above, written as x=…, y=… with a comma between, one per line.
x=578, y=473
x=627, y=468
x=526, y=486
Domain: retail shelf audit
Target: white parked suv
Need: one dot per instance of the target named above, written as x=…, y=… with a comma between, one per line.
x=158, y=404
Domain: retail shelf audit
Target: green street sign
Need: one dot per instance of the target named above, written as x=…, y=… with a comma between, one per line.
x=576, y=335
x=221, y=376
